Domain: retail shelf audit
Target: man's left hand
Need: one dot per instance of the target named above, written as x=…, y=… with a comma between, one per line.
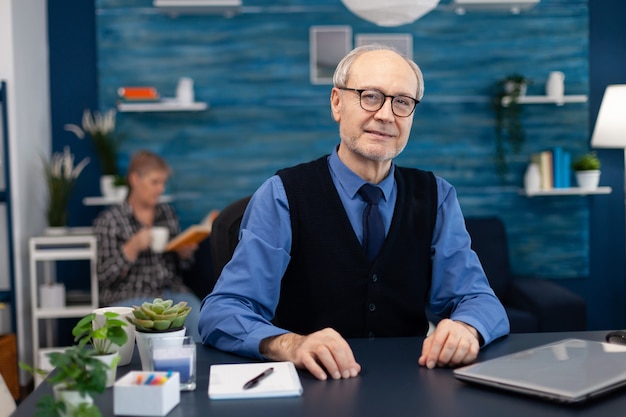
x=452, y=343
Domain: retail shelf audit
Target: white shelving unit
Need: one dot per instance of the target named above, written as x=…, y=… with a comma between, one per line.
x=47, y=250
x=567, y=191
x=559, y=101
x=163, y=105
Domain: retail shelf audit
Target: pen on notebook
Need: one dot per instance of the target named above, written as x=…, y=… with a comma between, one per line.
x=255, y=381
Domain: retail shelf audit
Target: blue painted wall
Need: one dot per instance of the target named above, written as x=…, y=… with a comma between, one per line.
x=253, y=69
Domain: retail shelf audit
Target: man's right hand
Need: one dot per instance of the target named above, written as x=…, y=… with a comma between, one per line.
x=320, y=352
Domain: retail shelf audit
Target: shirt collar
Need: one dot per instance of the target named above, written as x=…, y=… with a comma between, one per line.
x=351, y=182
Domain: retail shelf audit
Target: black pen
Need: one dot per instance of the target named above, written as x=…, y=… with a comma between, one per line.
x=254, y=381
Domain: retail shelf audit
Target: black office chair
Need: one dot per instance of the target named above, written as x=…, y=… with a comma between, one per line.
x=225, y=235
x=532, y=304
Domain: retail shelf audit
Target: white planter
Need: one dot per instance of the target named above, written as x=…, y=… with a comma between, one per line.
x=144, y=346
x=126, y=350
x=72, y=399
x=106, y=186
x=588, y=180
x=111, y=361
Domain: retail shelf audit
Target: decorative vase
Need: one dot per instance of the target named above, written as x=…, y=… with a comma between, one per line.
x=106, y=186
x=555, y=87
x=143, y=345
x=532, y=178
x=588, y=180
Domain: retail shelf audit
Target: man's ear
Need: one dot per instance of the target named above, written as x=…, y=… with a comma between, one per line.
x=335, y=103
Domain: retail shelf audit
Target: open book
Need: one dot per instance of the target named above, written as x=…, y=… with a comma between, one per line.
x=193, y=234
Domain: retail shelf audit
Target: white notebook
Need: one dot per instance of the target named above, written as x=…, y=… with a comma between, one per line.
x=226, y=381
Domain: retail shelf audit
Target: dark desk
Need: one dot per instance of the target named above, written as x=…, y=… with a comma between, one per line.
x=391, y=384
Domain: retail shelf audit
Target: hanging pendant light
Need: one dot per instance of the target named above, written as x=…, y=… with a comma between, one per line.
x=390, y=12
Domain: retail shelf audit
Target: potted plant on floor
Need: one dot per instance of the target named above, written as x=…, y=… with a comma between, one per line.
x=509, y=129
x=78, y=376
x=155, y=319
x=587, y=169
x=105, y=338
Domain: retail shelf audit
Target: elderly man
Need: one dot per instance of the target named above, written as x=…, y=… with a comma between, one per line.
x=351, y=245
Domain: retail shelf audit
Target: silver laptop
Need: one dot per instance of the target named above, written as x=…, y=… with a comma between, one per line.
x=569, y=370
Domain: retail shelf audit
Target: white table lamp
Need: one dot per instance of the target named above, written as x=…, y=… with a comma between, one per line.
x=610, y=128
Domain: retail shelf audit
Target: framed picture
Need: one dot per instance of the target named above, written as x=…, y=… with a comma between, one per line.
x=328, y=45
x=403, y=42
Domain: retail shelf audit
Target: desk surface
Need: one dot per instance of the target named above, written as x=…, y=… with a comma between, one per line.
x=391, y=384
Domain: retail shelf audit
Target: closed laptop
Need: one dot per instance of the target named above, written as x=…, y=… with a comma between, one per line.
x=570, y=370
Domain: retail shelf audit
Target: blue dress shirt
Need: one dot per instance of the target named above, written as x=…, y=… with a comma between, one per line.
x=236, y=316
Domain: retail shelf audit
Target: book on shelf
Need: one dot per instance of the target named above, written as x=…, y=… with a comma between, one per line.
x=554, y=168
x=138, y=94
x=193, y=234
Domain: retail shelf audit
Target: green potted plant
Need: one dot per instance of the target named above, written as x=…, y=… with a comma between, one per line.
x=101, y=128
x=587, y=170
x=78, y=376
x=61, y=175
x=156, y=319
x=509, y=129
x=104, y=337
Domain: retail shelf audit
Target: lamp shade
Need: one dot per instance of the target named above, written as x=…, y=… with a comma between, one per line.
x=390, y=12
x=610, y=129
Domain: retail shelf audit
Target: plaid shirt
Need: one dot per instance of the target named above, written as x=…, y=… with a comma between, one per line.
x=121, y=279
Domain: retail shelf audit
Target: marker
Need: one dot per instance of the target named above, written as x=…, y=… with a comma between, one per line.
x=255, y=381
x=139, y=379
x=149, y=380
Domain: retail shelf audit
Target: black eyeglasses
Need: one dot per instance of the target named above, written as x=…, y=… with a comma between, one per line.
x=373, y=100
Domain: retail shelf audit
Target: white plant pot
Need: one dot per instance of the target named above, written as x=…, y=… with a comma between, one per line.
x=111, y=361
x=52, y=295
x=144, y=346
x=588, y=180
x=72, y=399
x=126, y=350
x=106, y=186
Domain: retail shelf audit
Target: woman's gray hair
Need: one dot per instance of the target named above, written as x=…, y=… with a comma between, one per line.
x=342, y=72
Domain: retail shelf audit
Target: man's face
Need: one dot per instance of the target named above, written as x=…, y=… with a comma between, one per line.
x=374, y=135
x=148, y=186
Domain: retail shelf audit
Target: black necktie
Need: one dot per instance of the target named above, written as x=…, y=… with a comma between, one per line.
x=373, y=228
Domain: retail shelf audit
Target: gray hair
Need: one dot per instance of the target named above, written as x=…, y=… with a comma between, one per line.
x=342, y=72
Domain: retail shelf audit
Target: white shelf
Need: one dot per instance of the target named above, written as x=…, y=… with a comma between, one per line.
x=163, y=105
x=108, y=201
x=566, y=191
x=559, y=101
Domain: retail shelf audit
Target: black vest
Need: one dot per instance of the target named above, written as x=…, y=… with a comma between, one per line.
x=330, y=282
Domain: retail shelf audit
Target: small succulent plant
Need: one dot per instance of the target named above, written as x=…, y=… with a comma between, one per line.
x=160, y=315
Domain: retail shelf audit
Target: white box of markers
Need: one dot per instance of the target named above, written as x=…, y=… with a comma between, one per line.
x=146, y=393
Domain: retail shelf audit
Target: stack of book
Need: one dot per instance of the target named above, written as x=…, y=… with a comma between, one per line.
x=554, y=168
x=138, y=94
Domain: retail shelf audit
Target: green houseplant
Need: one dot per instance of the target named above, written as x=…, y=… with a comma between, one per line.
x=61, y=175
x=587, y=162
x=509, y=130
x=587, y=170
x=160, y=315
x=101, y=128
x=103, y=337
x=77, y=377
x=157, y=319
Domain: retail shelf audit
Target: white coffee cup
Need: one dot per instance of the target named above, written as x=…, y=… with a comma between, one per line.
x=126, y=350
x=159, y=238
